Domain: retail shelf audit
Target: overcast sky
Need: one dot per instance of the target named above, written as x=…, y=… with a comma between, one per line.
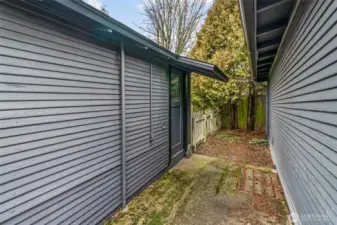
x=129, y=12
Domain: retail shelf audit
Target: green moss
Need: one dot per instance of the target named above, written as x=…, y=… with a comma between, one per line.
x=260, y=114
x=153, y=206
x=157, y=218
x=135, y=220
x=224, y=176
x=243, y=113
x=230, y=180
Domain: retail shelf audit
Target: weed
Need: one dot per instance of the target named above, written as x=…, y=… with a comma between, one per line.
x=230, y=137
x=256, y=141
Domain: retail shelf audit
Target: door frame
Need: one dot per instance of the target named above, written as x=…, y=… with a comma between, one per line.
x=184, y=116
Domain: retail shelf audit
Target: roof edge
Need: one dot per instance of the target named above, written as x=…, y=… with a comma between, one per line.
x=253, y=20
x=251, y=46
x=203, y=67
x=96, y=15
x=244, y=27
x=284, y=36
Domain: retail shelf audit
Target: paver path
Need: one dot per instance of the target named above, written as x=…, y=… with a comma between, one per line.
x=261, y=182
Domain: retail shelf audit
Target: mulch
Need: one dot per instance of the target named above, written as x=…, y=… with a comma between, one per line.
x=239, y=147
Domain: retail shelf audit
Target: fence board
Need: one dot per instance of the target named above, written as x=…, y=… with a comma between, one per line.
x=204, y=123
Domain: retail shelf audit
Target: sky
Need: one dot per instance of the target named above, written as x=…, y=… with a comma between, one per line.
x=129, y=12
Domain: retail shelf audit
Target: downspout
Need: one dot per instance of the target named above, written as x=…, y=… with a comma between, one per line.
x=151, y=122
x=170, y=115
x=123, y=127
x=267, y=110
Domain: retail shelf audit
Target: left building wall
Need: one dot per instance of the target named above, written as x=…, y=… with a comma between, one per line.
x=60, y=124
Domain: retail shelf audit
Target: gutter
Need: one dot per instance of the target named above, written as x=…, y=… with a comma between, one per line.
x=203, y=68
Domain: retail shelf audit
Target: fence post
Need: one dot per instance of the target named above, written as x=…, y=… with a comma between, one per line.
x=193, y=127
x=204, y=126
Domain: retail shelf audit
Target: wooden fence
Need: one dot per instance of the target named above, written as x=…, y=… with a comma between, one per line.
x=204, y=123
x=207, y=122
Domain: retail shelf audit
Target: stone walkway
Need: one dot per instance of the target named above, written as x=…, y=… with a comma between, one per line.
x=203, y=190
x=261, y=182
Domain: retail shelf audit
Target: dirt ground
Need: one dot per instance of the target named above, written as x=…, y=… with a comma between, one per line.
x=206, y=190
x=239, y=147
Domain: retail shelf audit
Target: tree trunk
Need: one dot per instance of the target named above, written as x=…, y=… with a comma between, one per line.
x=234, y=115
x=226, y=116
x=251, y=110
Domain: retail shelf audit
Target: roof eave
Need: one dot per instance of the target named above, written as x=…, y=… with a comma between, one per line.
x=265, y=24
x=249, y=31
x=207, y=69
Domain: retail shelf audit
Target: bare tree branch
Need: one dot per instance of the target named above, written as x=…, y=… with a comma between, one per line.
x=173, y=23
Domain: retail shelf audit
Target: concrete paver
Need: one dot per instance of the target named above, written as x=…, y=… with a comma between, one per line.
x=258, y=183
x=269, y=191
x=249, y=181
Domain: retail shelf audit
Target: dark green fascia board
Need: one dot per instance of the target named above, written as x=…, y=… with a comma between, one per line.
x=202, y=67
x=219, y=73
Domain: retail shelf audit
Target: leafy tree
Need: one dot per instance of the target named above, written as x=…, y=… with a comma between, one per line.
x=173, y=23
x=221, y=41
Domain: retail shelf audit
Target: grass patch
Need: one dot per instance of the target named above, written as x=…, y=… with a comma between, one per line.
x=230, y=180
x=157, y=218
x=257, y=141
x=230, y=137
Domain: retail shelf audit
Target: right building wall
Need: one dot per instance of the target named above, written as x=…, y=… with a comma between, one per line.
x=302, y=115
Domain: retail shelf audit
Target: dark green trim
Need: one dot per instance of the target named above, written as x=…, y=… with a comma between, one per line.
x=184, y=97
x=201, y=67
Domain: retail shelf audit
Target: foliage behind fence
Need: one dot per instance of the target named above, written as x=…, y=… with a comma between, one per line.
x=260, y=113
x=207, y=122
x=242, y=106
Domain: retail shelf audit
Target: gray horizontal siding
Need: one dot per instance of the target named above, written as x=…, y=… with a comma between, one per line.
x=145, y=158
x=302, y=109
x=60, y=140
